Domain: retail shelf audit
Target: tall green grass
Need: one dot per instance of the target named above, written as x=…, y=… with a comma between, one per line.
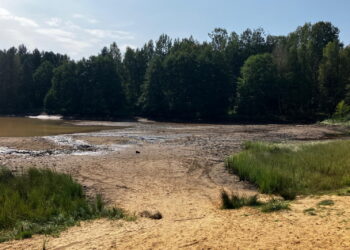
x=340, y=122
x=290, y=170
x=234, y=201
x=44, y=202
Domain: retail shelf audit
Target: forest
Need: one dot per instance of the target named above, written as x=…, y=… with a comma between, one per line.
x=304, y=76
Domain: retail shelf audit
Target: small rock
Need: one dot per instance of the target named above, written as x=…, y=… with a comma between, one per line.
x=155, y=216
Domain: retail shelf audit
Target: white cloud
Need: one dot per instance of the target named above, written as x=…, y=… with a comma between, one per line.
x=78, y=16
x=125, y=46
x=115, y=34
x=4, y=12
x=17, y=37
x=53, y=33
x=71, y=25
x=87, y=19
x=54, y=22
x=92, y=21
x=7, y=16
x=59, y=35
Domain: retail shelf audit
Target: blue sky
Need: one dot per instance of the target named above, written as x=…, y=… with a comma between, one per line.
x=82, y=27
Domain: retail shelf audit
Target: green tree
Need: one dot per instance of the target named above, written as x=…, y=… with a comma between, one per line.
x=331, y=85
x=42, y=83
x=152, y=101
x=10, y=82
x=303, y=76
x=163, y=45
x=298, y=57
x=345, y=72
x=191, y=81
x=100, y=87
x=63, y=97
x=135, y=65
x=219, y=38
x=258, y=88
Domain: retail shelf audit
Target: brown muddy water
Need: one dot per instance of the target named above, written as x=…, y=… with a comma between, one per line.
x=27, y=127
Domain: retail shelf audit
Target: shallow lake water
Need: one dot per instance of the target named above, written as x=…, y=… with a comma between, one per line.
x=26, y=127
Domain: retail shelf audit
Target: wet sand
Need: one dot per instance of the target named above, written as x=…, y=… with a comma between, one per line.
x=180, y=173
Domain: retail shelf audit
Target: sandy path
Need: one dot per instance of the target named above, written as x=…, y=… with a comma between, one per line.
x=180, y=173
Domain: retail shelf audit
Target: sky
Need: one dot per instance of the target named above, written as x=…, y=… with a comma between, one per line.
x=81, y=28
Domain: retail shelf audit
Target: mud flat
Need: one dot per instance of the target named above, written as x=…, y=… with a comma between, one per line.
x=177, y=169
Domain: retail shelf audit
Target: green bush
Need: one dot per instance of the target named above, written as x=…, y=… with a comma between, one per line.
x=341, y=115
x=342, y=110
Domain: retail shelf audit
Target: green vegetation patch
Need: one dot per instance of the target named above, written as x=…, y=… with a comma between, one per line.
x=234, y=201
x=344, y=192
x=341, y=115
x=326, y=203
x=310, y=211
x=290, y=170
x=274, y=206
x=45, y=202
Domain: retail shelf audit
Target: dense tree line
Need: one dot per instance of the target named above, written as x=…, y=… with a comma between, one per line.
x=301, y=76
x=25, y=79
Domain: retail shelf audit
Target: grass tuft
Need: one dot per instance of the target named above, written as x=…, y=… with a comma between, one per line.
x=234, y=201
x=290, y=170
x=326, y=203
x=45, y=202
x=310, y=211
x=274, y=206
x=337, y=122
x=344, y=192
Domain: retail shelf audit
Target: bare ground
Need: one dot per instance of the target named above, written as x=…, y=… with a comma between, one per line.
x=179, y=172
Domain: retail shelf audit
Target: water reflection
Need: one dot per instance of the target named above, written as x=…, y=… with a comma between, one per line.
x=25, y=127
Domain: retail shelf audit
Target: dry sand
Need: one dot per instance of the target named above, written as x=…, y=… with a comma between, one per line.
x=180, y=173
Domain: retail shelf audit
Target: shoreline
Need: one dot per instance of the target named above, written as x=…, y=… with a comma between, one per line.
x=179, y=171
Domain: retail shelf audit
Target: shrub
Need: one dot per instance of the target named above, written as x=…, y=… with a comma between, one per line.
x=342, y=110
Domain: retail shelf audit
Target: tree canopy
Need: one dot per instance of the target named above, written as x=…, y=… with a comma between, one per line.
x=252, y=75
